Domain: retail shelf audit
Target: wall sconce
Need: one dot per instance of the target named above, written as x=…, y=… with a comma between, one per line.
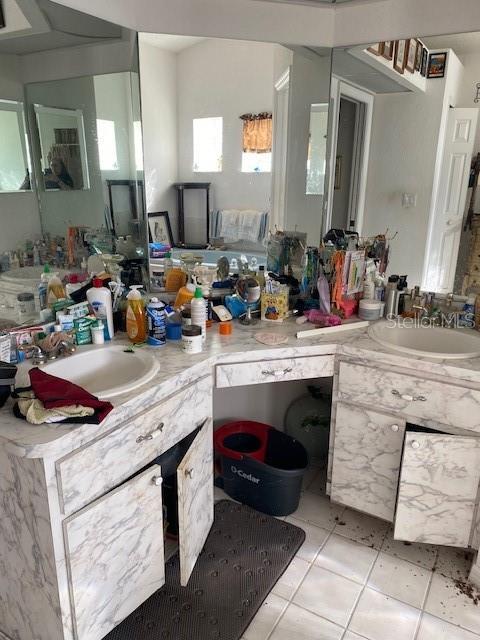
x=477, y=94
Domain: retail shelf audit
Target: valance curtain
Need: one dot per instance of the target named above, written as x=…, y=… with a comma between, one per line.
x=257, y=132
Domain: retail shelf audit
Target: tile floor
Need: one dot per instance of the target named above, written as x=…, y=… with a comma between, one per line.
x=352, y=581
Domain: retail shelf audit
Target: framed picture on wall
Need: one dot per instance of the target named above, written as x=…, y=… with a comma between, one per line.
x=159, y=229
x=436, y=65
x=411, y=55
x=377, y=49
x=418, y=56
x=399, y=56
x=424, y=65
x=388, y=49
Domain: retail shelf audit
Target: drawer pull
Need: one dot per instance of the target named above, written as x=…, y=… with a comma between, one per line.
x=189, y=473
x=150, y=436
x=409, y=398
x=157, y=481
x=395, y=427
x=415, y=444
x=277, y=373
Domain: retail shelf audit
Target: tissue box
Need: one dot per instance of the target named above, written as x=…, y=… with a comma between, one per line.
x=274, y=306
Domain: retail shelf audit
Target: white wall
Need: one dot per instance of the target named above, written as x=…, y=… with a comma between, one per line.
x=19, y=216
x=309, y=84
x=158, y=86
x=225, y=78
x=467, y=90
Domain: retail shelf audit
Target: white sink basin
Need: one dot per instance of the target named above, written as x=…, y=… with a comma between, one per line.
x=430, y=342
x=106, y=371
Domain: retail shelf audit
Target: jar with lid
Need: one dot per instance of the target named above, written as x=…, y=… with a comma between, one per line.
x=192, y=339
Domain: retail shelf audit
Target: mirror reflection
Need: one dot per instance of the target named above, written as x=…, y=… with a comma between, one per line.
x=405, y=144
x=14, y=152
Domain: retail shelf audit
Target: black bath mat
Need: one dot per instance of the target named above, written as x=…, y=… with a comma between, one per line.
x=245, y=554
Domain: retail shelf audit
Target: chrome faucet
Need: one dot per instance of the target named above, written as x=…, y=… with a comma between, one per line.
x=40, y=356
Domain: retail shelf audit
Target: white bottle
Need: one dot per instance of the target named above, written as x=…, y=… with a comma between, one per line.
x=199, y=312
x=100, y=300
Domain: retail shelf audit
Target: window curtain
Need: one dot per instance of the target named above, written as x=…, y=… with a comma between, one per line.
x=257, y=132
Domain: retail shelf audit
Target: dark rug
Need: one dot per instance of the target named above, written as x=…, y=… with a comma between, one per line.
x=245, y=554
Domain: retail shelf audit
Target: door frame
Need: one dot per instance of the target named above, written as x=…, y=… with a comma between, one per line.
x=342, y=89
x=281, y=108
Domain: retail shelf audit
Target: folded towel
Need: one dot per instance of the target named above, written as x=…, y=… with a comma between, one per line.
x=56, y=393
x=35, y=412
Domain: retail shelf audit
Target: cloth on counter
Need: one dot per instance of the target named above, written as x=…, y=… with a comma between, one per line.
x=78, y=405
x=35, y=412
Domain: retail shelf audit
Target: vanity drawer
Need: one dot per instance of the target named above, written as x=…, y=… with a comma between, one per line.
x=412, y=397
x=244, y=373
x=91, y=471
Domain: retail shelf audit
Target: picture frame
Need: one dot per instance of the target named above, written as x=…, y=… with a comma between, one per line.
x=159, y=228
x=388, y=49
x=411, y=55
x=418, y=56
x=377, y=49
x=399, y=56
x=424, y=65
x=437, y=63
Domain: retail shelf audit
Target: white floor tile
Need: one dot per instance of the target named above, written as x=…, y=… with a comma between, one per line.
x=288, y=583
x=349, y=635
x=350, y=559
x=328, y=595
x=435, y=629
x=454, y=563
x=298, y=624
x=314, y=540
x=362, y=528
x=400, y=579
x=378, y=617
x=266, y=618
x=422, y=554
x=318, y=510
x=445, y=601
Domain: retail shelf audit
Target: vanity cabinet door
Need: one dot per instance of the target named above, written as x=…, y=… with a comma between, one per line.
x=438, y=489
x=366, y=460
x=115, y=555
x=195, y=499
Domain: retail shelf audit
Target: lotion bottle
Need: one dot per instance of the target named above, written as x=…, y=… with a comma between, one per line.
x=100, y=300
x=199, y=312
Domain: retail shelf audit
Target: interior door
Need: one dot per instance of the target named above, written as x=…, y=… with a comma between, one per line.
x=115, y=554
x=438, y=489
x=446, y=225
x=195, y=499
x=366, y=460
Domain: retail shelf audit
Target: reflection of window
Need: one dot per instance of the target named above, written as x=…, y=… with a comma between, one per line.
x=207, y=144
x=317, y=149
x=138, y=144
x=257, y=142
x=107, y=145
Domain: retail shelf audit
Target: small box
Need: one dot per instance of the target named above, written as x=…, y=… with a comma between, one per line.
x=274, y=306
x=83, y=334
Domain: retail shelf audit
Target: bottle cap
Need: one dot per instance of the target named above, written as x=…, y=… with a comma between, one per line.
x=198, y=293
x=97, y=282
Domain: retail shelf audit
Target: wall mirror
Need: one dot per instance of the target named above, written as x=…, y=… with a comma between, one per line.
x=405, y=140
x=14, y=150
x=234, y=140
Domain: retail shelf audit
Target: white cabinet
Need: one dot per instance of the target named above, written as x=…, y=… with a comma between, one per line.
x=438, y=488
x=366, y=460
x=114, y=553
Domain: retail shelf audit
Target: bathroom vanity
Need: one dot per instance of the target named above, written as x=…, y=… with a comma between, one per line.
x=81, y=542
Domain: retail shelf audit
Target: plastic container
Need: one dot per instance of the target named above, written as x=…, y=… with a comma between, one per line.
x=192, y=341
x=175, y=279
x=370, y=309
x=198, y=308
x=225, y=328
x=135, y=316
x=173, y=331
x=100, y=299
x=156, y=320
x=272, y=484
x=184, y=295
x=98, y=335
x=55, y=290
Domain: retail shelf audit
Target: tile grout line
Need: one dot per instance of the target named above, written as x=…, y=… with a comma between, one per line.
x=427, y=593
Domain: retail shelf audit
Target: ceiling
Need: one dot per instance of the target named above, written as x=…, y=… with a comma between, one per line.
x=40, y=25
x=461, y=43
x=169, y=42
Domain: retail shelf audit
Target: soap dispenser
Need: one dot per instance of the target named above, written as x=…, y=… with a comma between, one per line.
x=136, y=316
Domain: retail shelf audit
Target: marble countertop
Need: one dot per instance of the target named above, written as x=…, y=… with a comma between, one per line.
x=178, y=369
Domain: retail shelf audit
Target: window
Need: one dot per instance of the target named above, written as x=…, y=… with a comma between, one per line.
x=138, y=144
x=256, y=162
x=207, y=144
x=107, y=145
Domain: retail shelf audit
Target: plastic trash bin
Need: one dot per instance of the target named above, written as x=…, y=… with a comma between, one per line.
x=269, y=478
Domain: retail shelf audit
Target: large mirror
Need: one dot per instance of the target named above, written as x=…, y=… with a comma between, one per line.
x=405, y=141
x=235, y=142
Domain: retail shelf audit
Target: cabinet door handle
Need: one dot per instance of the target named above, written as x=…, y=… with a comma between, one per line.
x=408, y=397
x=157, y=481
x=415, y=444
x=277, y=373
x=150, y=436
x=395, y=427
x=189, y=473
